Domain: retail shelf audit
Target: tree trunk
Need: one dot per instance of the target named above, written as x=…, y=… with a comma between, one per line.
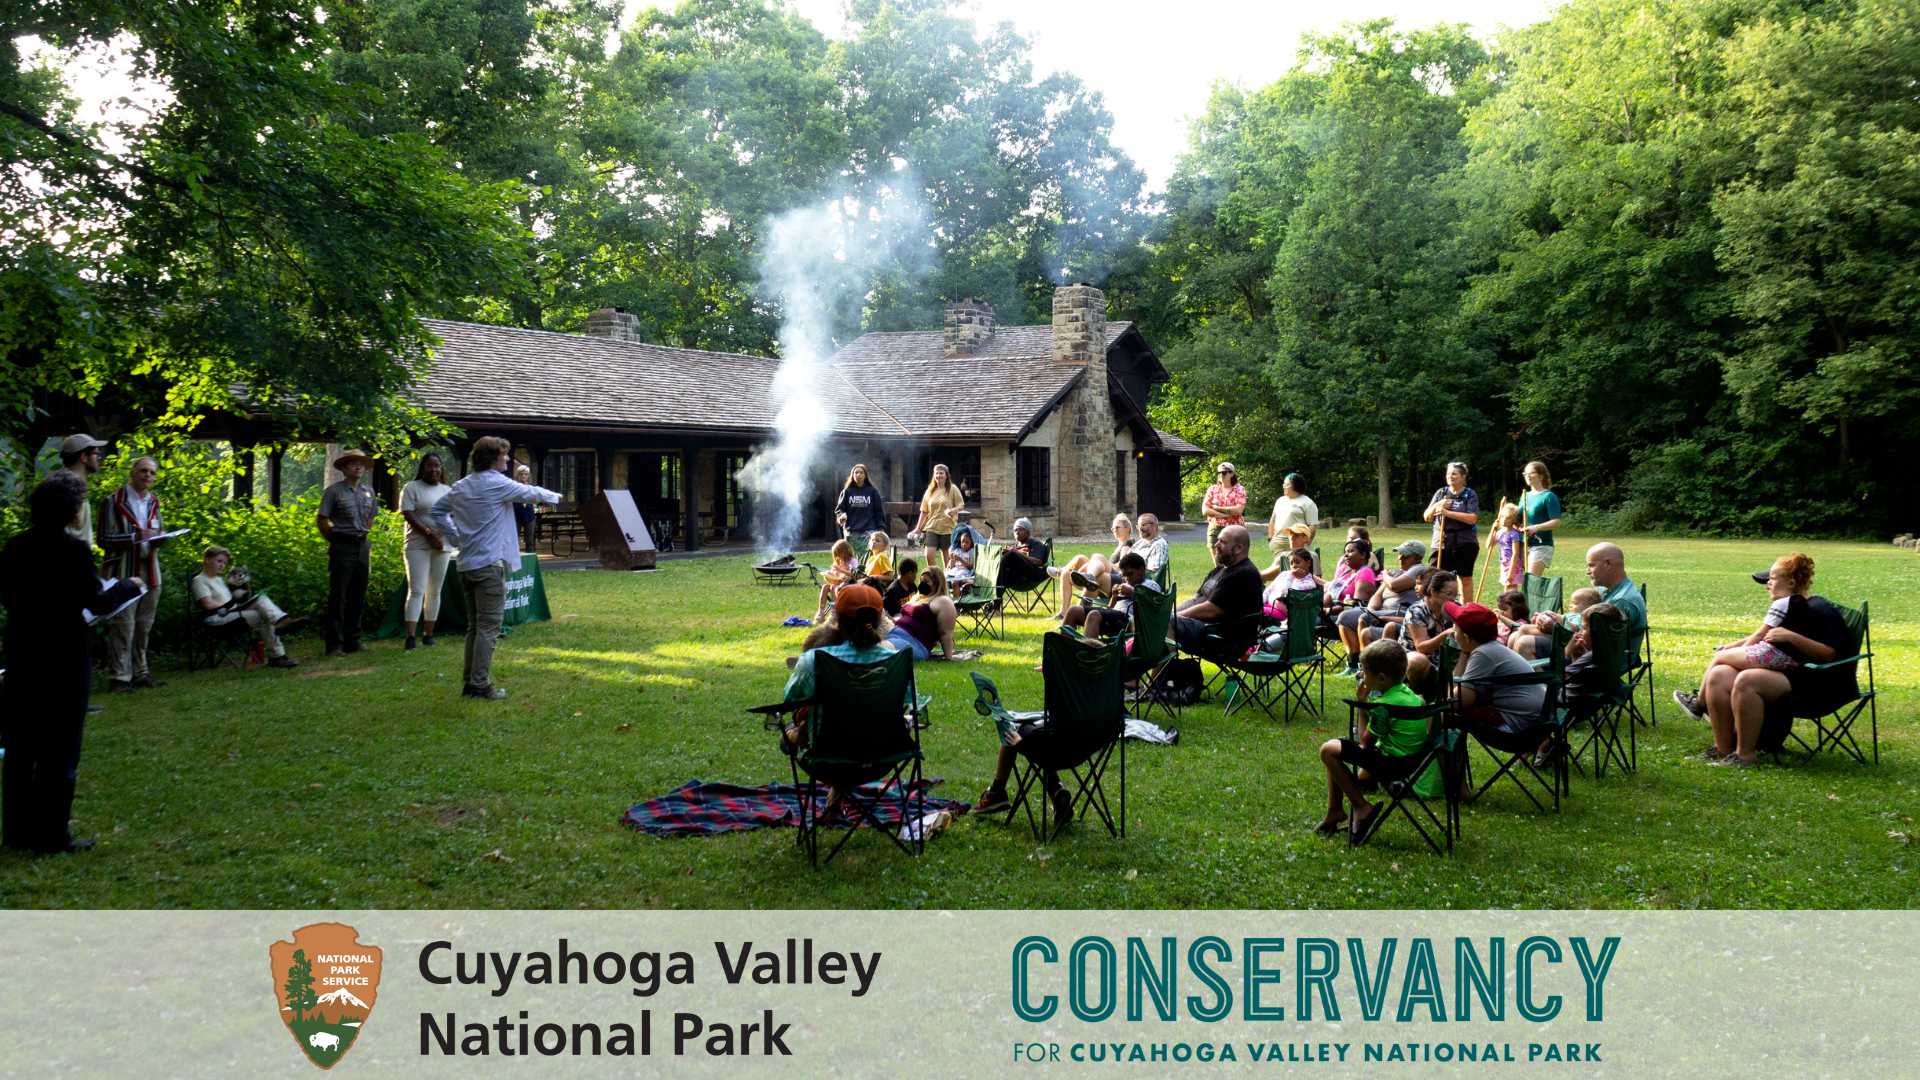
x=1846, y=443
x=1383, y=468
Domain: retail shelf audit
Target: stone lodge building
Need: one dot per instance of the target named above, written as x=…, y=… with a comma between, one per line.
x=1045, y=422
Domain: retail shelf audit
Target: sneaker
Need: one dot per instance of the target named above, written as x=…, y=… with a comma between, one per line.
x=489, y=693
x=119, y=687
x=148, y=682
x=352, y=647
x=1084, y=581
x=410, y=643
x=1690, y=701
x=1062, y=804
x=92, y=708
x=283, y=661
x=1735, y=761
x=427, y=640
x=336, y=651
x=1709, y=754
x=992, y=801
x=290, y=624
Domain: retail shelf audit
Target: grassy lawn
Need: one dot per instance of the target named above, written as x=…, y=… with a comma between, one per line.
x=369, y=782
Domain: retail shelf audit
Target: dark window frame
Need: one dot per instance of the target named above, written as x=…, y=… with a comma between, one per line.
x=1033, y=467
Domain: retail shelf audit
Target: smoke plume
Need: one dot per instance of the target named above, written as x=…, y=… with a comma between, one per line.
x=820, y=264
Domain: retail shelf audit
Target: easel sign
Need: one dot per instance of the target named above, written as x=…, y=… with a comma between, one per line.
x=617, y=532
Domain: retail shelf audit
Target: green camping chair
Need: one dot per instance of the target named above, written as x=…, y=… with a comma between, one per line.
x=1438, y=754
x=980, y=602
x=1833, y=726
x=1078, y=734
x=1639, y=671
x=1034, y=596
x=1543, y=593
x=1267, y=679
x=1606, y=708
x=863, y=724
x=1512, y=752
x=1150, y=650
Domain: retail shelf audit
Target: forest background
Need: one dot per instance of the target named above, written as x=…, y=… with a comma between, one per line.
x=1669, y=248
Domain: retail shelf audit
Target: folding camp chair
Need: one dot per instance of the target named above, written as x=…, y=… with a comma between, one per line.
x=1033, y=596
x=1543, y=593
x=1512, y=752
x=1833, y=727
x=980, y=601
x=1639, y=671
x=863, y=724
x=212, y=644
x=1606, y=708
x=1293, y=672
x=1440, y=752
x=1078, y=733
x=1150, y=650
x=1224, y=643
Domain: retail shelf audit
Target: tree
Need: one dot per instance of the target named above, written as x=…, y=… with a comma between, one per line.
x=299, y=986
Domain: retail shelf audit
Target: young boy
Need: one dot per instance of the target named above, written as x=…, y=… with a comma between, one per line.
x=904, y=588
x=1114, y=620
x=1386, y=749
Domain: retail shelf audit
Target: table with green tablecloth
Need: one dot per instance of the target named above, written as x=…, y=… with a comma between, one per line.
x=526, y=601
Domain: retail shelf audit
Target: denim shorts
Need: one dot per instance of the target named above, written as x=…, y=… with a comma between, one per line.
x=900, y=639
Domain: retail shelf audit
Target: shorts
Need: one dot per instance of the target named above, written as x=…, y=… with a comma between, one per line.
x=937, y=541
x=906, y=642
x=1380, y=766
x=1113, y=622
x=1459, y=558
x=1768, y=655
x=1356, y=618
x=1541, y=555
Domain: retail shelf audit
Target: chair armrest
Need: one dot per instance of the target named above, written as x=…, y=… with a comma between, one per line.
x=1835, y=663
x=781, y=707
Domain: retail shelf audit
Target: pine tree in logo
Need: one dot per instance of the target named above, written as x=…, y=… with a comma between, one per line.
x=300, y=997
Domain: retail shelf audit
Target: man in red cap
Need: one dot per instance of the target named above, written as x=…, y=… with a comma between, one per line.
x=1506, y=708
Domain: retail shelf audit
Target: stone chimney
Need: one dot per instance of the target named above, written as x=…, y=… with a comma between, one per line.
x=968, y=326
x=1083, y=471
x=615, y=323
x=1079, y=325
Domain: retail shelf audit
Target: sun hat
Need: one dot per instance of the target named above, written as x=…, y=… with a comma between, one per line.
x=361, y=456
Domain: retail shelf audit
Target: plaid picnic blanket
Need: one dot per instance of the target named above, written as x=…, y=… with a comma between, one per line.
x=700, y=808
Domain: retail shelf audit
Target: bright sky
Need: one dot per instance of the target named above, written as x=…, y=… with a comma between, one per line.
x=1155, y=60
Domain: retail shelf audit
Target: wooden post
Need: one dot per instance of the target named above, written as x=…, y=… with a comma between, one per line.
x=243, y=480
x=275, y=459
x=690, y=493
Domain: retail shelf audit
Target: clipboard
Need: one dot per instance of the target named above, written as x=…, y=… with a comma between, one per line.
x=95, y=620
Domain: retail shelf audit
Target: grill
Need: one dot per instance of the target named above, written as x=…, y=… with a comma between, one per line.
x=782, y=571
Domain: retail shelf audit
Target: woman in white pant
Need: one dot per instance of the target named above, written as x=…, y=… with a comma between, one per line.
x=426, y=551
x=209, y=590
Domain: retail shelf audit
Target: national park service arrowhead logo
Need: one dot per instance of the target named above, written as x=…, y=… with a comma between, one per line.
x=326, y=982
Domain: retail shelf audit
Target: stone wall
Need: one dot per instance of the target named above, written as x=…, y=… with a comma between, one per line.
x=614, y=323
x=967, y=326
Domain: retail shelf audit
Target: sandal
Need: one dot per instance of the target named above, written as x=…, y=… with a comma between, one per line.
x=1359, y=828
x=1330, y=827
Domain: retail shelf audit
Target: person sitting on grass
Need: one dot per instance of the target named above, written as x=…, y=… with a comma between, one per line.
x=1094, y=572
x=222, y=605
x=838, y=574
x=927, y=620
x=879, y=569
x=1113, y=620
x=1387, y=749
x=904, y=587
x=960, y=558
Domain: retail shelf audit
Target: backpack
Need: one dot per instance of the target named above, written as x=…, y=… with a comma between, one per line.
x=1180, y=683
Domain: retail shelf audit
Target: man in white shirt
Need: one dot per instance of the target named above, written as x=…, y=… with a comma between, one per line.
x=477, y=517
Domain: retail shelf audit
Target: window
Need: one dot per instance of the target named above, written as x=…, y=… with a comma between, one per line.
x=963, y=462
x=569, y=472
x=1120, y=458
x=669, y=467
x=1036, y=476
x=732, y=500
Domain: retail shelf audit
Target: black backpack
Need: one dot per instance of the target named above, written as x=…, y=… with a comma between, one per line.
x=1180, y=683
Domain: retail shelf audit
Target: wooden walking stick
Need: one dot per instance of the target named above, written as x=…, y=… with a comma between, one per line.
x=1480, y=586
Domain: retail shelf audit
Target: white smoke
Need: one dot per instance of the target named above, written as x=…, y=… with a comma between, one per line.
x=820, y=264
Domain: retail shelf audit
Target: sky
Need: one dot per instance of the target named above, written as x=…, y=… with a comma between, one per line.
x=1155, y=60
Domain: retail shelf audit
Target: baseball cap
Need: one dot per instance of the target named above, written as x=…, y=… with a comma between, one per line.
x=854, y=597
x=1414, y=548
x=77, y=443
x=1763, y=576
x=1226, y=466
x=1474, y=620
x=1303, y=530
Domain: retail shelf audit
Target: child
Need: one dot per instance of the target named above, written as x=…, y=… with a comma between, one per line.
x=1299, y=579
x=1582, y=682
x=1386, y=750
x=879, y=568
x=903, y=589
x=837, y=575
x=1790, y=577
x=1516, y=619
x=1113, y=620
x=960, y=560
x=1513, y=546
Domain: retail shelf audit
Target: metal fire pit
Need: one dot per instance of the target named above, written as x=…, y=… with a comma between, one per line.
x=778, y=572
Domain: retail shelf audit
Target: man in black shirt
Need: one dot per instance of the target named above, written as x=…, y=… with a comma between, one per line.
x=1230, y=592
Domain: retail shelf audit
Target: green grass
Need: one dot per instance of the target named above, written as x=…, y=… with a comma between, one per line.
x=369, y=782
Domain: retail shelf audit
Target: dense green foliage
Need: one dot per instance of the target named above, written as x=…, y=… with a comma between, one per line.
x=1668, y=247
x=207, y=793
